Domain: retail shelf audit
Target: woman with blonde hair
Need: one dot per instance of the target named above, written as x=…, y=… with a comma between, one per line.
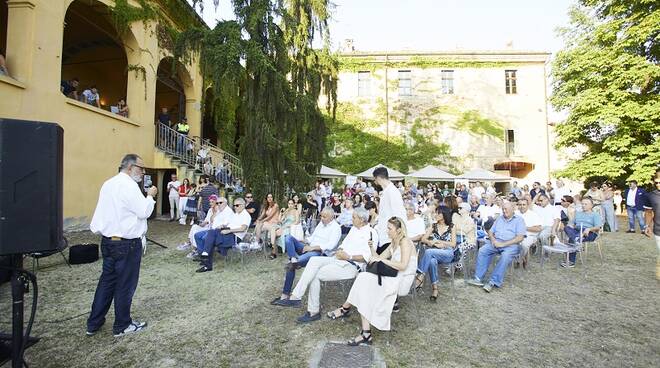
x=288, y=219
x=374, y=294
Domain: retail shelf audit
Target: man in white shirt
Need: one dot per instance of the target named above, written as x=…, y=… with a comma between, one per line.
x=415, y=226
x=90, y=96
x=489, y=211
x=370, y=190
x=220, y=221
x=322, y=242
x=391, y=203
x=478, y=190
x=227, y=235
x=173, y=195
x=121, y=219
x=560, y=192
x=351, y=258
x=550, y=216
x=533, y=223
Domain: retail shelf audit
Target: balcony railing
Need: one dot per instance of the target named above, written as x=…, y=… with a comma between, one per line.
x=213, y=160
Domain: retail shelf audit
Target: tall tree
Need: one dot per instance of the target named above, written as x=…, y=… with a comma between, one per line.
x=266, y=72
x=607, y=79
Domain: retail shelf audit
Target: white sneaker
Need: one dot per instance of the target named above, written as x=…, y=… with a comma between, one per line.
x=191, y=255
x=205, y=254
x=132, y=328
x=183, y=246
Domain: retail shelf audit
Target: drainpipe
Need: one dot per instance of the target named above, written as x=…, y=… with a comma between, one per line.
x=387, y=104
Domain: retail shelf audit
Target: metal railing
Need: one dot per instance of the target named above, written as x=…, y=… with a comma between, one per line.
x=211, y=161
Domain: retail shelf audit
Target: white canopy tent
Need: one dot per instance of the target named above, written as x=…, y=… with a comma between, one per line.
x=394, y=174
x=483, y=175
x=328, y=172
x=432, y=173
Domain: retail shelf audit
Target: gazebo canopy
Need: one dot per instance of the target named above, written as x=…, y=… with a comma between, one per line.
x=328, y=172
x=485, y=175
x=394, y=174
x=432, y=173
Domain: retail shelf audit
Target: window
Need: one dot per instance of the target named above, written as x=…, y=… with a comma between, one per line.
x=510, y=142
x=447, y=77
x=510, y=79
x=405, y=83
x=364, y=83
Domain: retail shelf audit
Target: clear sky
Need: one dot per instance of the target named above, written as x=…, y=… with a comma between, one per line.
x=389, y=25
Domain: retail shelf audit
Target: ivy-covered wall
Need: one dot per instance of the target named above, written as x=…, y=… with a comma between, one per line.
x=457, y=131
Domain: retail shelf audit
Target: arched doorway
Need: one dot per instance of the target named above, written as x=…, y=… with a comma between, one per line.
x=170, y=93
x=208, y=127
x=93, y=53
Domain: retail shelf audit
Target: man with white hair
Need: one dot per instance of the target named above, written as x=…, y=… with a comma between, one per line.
x=322, y=242
x=351, y=258
x=504, y=238
x=550, y=216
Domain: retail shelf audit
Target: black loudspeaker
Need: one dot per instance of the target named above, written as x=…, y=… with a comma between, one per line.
x=31, y=218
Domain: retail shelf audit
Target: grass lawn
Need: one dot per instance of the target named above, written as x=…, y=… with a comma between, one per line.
x=593, y=316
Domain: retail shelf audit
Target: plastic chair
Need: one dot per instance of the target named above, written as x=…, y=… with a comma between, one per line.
x=596, y=242
x=558, y=247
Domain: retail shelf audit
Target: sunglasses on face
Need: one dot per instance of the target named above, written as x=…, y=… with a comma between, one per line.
x=237, y=205
x=248, y=197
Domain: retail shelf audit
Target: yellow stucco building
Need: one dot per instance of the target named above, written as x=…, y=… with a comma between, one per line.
x=49, y=41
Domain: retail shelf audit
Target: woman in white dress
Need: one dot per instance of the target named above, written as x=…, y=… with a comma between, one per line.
x=374, y=302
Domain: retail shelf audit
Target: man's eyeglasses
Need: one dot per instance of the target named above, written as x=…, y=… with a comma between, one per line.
x=248, y=197
x=237, y=205
x=139, y=167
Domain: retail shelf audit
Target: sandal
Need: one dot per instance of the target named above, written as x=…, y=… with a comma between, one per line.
x=419, y=282
x=272, y=256
x=340, y=312
x=366, y=339
x=434, y=293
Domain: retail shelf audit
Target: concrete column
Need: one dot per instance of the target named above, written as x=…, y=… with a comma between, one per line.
x=20, y=38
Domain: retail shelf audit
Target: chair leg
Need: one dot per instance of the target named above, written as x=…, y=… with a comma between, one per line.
x=451, y=274
x=600, y=252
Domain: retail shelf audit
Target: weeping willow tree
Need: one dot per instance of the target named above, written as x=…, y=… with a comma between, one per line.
x=266, y=77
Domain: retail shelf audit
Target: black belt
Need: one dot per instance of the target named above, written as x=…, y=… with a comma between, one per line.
x=116, y=238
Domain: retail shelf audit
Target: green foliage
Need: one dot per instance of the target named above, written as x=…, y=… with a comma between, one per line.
x=479, y=125
x=608, y=81
x=357, y=148
x=266, y=80
x=123, y=14
x=370, y=63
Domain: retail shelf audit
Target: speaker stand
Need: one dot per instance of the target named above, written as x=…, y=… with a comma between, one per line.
x=18, y=344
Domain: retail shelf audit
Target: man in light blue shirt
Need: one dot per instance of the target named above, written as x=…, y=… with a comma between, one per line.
x=504, y=238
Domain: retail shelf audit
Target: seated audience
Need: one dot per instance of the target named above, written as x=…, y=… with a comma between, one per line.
x=549, y=215
x=439, y=242
x=268, y=218
x=227, y=235
x=374, y=295
x=345, y=218
x=91, y=96
x=504, y=238
x=350, y=258
x=322, y=242
x=204, y=226
x=414, y=224
x=585, y=225
x=219, y=221
x=488, y=212
x=288, y=218
x=534, y=226
x=70, y=88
